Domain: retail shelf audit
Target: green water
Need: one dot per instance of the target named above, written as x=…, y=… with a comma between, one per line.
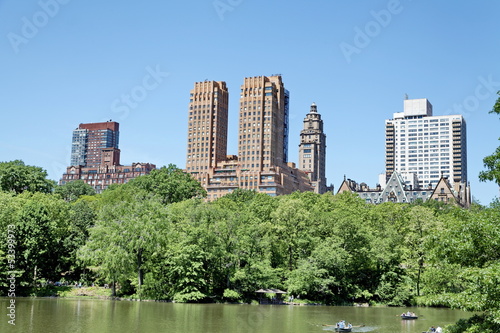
x=102, y=316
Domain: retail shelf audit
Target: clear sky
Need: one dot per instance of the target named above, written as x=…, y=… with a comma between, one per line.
x=66, y=62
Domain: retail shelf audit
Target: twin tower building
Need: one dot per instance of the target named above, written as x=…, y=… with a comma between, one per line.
x=263, y=131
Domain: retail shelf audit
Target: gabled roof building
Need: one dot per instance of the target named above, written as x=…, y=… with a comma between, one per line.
x=397, y=191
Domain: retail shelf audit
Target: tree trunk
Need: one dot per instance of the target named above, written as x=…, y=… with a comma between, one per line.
x=34, y=276
x=420, y=269
x=139, y=272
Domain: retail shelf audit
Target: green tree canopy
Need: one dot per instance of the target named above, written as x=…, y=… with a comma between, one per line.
x=492, y=162
x=170, y=183
x=17, y=177
x=73, y=190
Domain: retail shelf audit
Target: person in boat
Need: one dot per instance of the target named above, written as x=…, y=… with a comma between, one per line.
x=349, y=325
x=341, y=324
x=439, y=329
x=432, y=329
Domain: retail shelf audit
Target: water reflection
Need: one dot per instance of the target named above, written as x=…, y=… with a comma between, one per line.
x=84, y=315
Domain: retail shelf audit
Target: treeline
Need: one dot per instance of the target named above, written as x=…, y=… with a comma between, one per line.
x=156, y=238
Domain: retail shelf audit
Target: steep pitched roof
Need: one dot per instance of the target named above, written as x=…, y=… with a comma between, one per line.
x=443, y=192
x=394, y=190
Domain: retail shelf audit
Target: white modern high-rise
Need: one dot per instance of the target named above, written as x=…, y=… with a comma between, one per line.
x=429, y=146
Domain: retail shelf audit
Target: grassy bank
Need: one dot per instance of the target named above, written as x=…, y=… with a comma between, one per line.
x=69, y=291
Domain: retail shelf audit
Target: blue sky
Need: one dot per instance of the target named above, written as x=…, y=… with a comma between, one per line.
x=66, y=62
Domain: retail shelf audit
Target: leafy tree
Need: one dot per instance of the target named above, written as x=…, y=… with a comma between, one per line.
x=41, y=228
x=82, y=217
x=73, y=190
x=123, y=239
x=170, y=184
x=9, y=207
x=290, y=220
x=321, y=276
x=17, y=177
x=492, y=162
x=387, y=224
x=421, y=222
x=483, y=323
x=464, y=268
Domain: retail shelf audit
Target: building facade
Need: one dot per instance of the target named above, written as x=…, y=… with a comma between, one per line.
x=95, y=158
x=207, y=126
x=90, y=139
x=263, y=123
x=312, y=150
x=396, y=190
x=429, y=146
x=105, y=175
x=261, y=163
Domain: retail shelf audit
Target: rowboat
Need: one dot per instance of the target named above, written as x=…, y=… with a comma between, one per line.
x=406, y=317
x=338, y=329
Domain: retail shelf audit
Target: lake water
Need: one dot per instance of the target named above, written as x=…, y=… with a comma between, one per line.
x=52, y=315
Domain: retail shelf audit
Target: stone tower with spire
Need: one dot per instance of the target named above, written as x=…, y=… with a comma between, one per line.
x=312, y=150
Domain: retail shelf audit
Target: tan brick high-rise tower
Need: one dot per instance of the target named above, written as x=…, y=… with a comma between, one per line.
x=263, y=125
x=207, y=126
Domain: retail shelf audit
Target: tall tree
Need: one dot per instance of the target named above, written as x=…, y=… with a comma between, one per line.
x=492, y=162
x=122, y=240
x=41, y=227
x=17, y=177
x=170, y=183
x=9, y=207
x=73, y=190
x=421, y=221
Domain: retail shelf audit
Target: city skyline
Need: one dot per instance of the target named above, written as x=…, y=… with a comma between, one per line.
x=135, y=64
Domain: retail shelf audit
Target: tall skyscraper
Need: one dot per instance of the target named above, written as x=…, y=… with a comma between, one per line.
x=207, y=126
x=91, y=140
x=312, y=150
x=429, y=146
x=261, y=163
x=263, y=123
